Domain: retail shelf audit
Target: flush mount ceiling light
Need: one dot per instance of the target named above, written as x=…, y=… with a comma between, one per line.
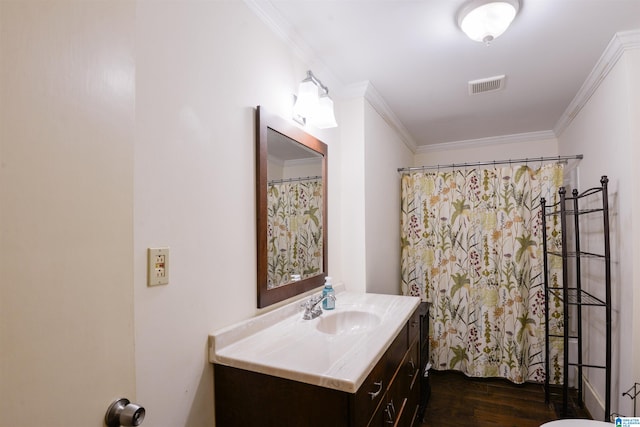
x=485, y=20
x=313, y=103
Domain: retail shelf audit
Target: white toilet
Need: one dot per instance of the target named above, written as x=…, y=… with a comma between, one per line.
x=576, y=423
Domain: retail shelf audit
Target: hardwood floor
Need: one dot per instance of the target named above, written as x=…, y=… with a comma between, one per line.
x=462, y=401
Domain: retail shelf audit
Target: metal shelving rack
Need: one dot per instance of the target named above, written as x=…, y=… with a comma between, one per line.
x=575, y=295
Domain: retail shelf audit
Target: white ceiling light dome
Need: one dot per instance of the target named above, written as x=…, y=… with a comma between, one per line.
x=485, y=20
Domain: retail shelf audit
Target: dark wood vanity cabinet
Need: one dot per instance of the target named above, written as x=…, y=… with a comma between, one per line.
x=389, y=396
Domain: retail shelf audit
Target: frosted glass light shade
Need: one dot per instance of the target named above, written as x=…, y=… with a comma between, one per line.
x=324, y=117
x=313, y=105
x=485, y=20
x=307, y=101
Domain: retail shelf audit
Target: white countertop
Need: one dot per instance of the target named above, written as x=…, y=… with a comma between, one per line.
x=282, y=344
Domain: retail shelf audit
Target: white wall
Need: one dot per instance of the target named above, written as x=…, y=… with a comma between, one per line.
x=634, y=112
x=352, y=194
x=202, y=67
x=481, y=150
x=606, y=131
x=371, y=152
x=128, y=125
x=384, y=153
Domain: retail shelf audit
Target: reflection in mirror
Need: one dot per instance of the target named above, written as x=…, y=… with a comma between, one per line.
x=291, y=192
x=294, y=211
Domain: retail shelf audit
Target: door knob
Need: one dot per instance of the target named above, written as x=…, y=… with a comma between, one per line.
x=124, y=413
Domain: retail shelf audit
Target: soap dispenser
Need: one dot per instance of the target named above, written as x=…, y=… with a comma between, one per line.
x=328, y=295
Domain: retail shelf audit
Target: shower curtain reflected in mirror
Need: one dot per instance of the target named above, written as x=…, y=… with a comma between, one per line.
x=294, y=230
x=471, y=245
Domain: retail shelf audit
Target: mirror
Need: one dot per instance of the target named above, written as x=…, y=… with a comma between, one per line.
x=291, y=201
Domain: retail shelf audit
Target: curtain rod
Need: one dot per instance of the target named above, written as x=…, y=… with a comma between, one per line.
x=305, y=178
x=492, y=162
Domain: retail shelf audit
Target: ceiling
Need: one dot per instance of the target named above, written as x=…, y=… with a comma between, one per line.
x=419, y=62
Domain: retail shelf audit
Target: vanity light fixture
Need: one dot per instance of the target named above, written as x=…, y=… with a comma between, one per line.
x=485, y=20
x=313, y=103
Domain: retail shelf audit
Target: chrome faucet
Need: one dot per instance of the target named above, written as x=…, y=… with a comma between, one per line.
x=312, y=307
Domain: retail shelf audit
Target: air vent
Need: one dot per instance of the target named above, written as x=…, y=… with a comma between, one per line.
x=490, y=84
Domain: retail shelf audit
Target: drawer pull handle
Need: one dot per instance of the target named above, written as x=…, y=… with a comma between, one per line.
x=389, y=419
x=375, y=394
x=390, y=410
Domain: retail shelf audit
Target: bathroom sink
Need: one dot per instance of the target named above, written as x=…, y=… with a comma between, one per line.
x=335, y=350
x=347, y=322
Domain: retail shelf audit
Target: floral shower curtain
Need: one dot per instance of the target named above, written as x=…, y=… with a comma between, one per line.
x=294, y=230
x=472, y=246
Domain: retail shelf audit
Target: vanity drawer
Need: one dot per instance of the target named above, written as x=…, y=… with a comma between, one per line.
x=412, y=365
x=370, y=393
x=372, y=390
x=391, y=413
x=400, y=404
x=413, y=372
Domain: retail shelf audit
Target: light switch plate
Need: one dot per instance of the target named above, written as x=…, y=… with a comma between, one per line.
x=158, y=266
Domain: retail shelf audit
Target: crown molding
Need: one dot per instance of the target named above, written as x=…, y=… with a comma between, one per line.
x=355, y=90
x=619, y=44
x=284, y=30
x=380, y=105
x=489, y=141
x=367, y=91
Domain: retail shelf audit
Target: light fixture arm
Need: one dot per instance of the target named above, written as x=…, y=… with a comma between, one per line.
x=314, y=79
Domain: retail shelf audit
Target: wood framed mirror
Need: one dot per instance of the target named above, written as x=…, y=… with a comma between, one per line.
x=291, y=204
